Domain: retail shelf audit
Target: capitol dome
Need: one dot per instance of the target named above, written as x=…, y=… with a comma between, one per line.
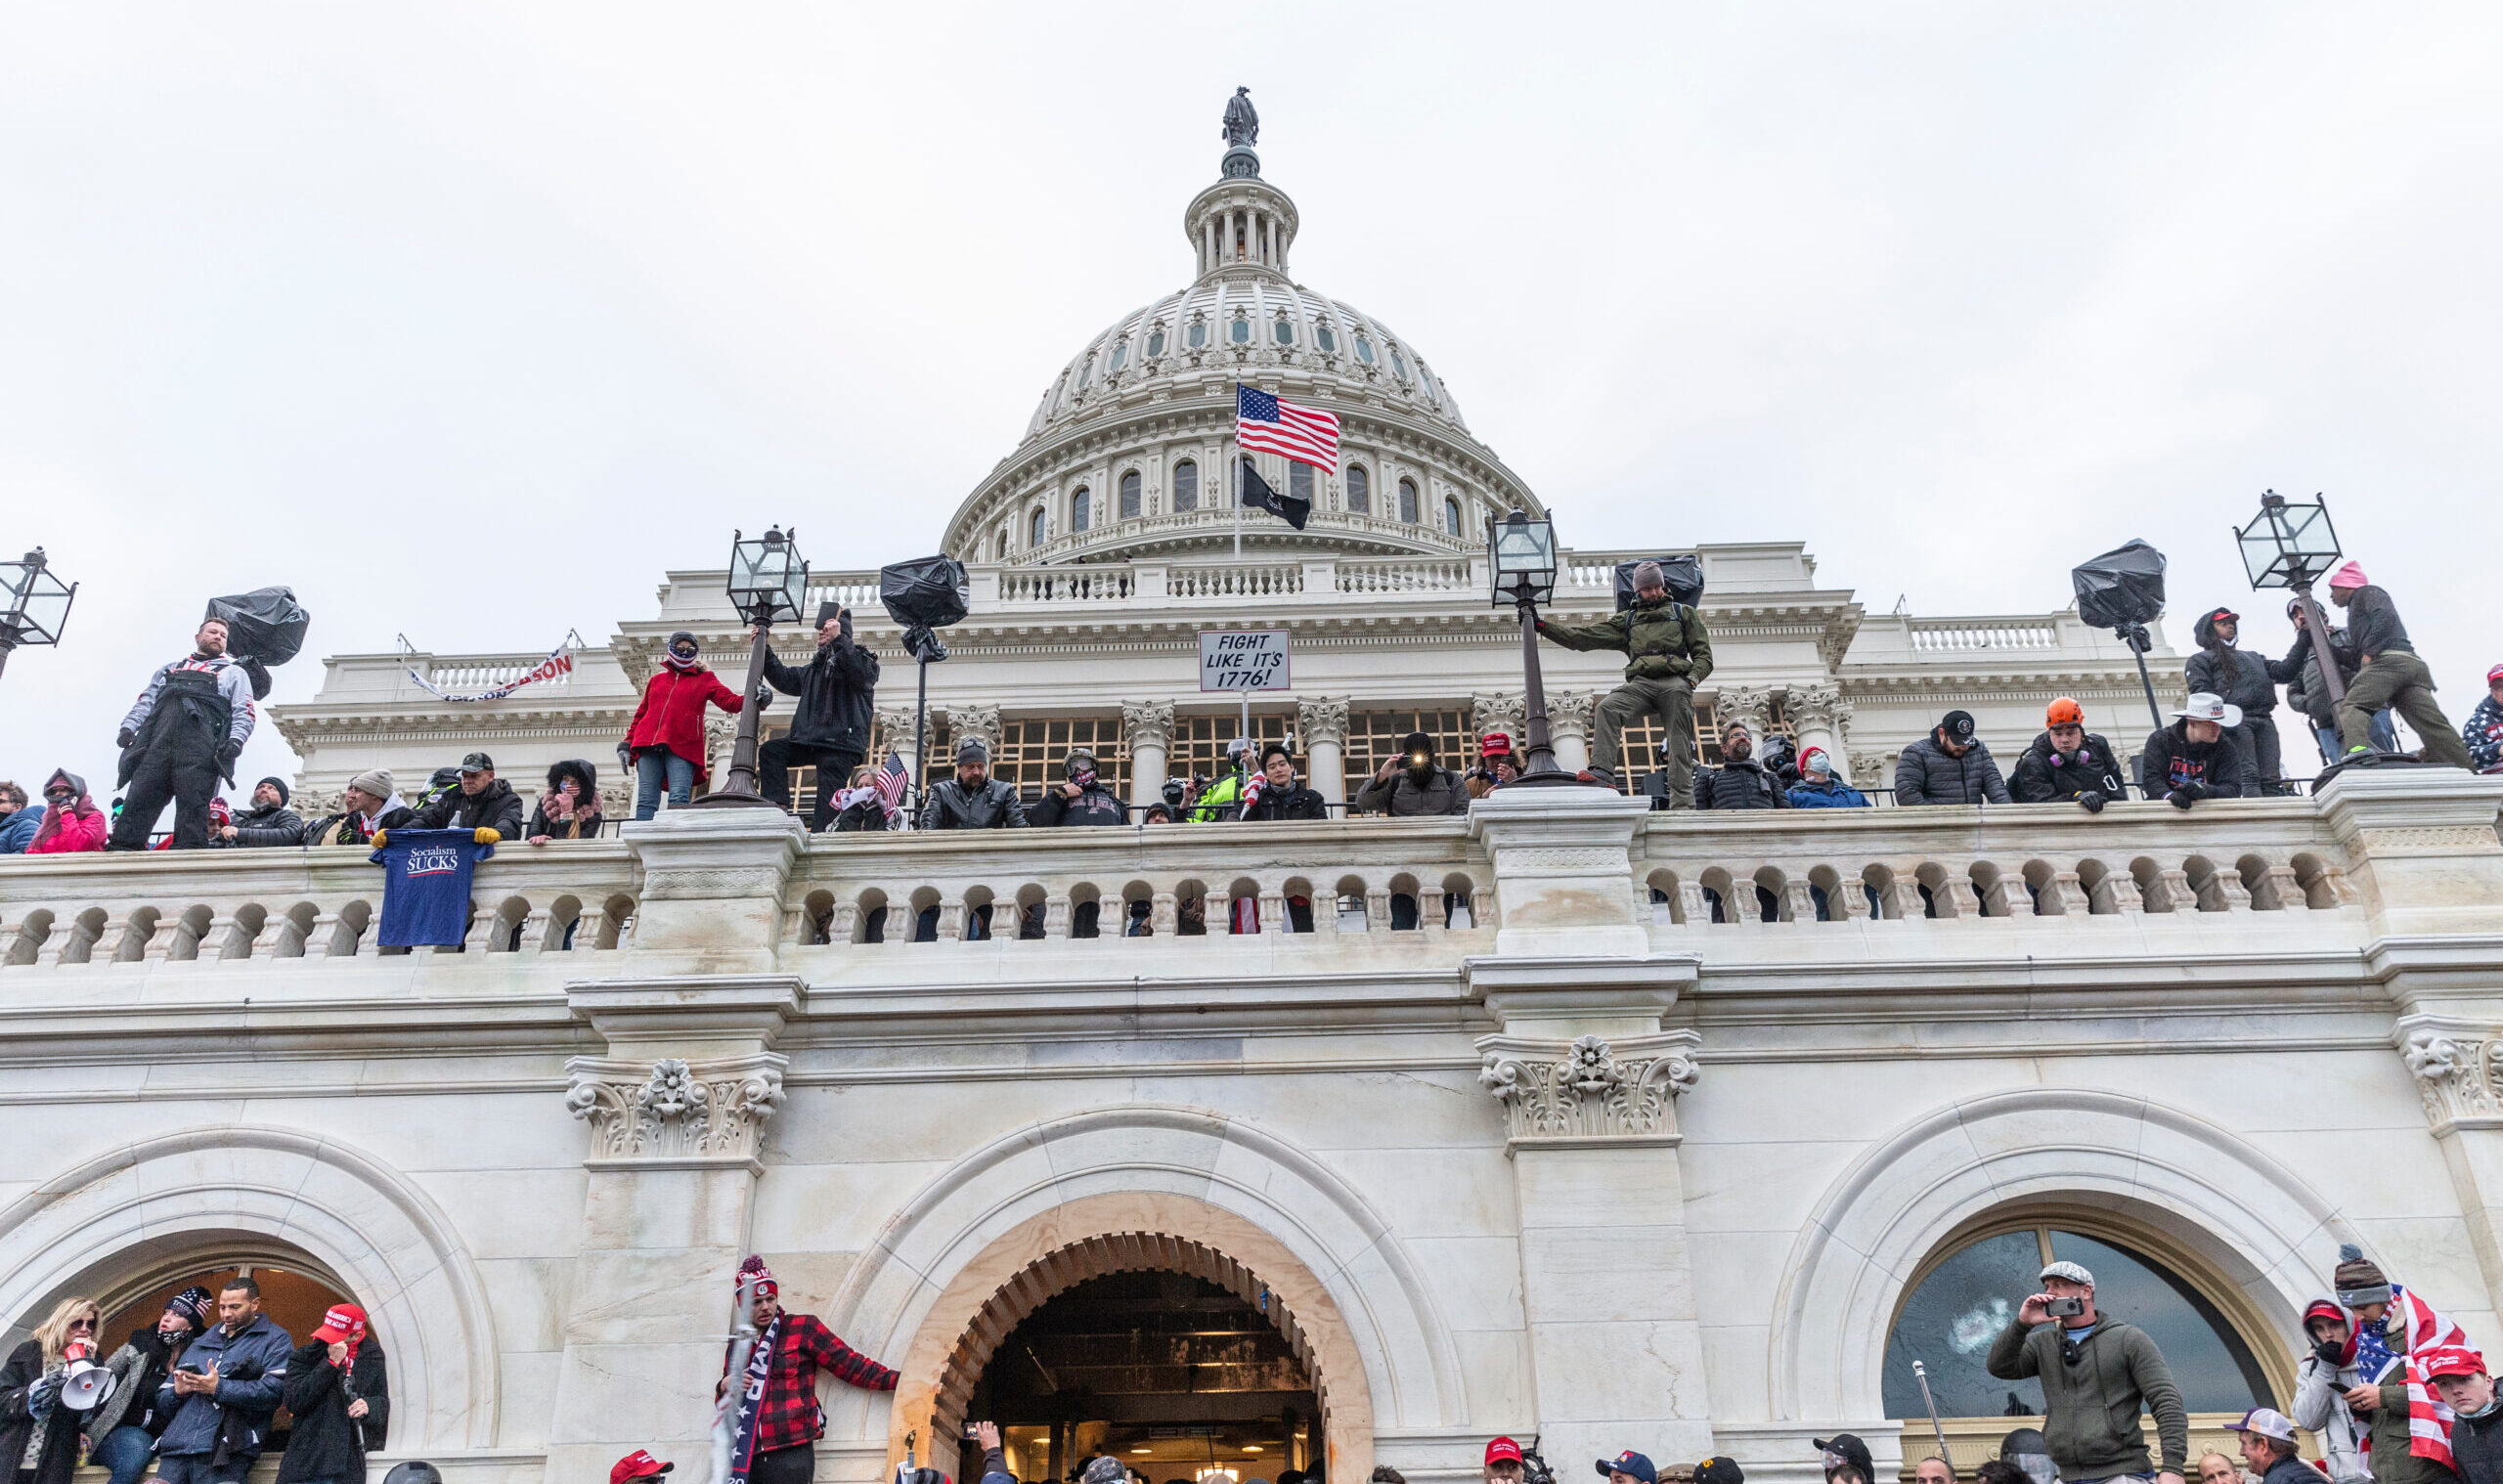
x=1126, y=454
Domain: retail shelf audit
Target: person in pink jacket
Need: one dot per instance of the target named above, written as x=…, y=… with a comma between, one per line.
x=70, y=819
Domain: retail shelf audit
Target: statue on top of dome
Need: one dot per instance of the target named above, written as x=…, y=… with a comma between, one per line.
x=1242, y=120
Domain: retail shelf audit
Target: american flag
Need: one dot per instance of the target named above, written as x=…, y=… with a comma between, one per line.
x=889, y=783
x=1275, y=425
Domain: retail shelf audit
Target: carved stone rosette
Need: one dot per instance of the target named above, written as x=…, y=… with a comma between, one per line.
x=1506, y=713
x=673, y=1114
x=1590, y=1092
x=1322, y=719
x=2459, y=1073
x=1147, y=723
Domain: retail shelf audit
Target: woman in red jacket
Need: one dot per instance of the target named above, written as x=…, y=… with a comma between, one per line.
x=665, y=742
x=70, y=819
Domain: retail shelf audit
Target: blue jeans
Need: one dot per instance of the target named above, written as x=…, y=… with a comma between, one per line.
x=2383, y=737
x=124, y=1453
x=649, y=770
x=192, y=1469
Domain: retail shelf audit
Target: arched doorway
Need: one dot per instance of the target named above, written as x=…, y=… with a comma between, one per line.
x=1159, y=1350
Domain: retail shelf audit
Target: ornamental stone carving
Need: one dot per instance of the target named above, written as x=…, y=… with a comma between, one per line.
x=1322, y=719
x=1590, y=1092
x=1147, y=723
x=1750, y=706
x=721, y=739
x=896, y=725
x=674, y=1112
x=1819, y=705
x=1503, y=712
x=1570, y=712
x=2457, y=1074
x=974, y=723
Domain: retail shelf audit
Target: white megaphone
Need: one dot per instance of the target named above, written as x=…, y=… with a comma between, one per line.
x=88, y=1383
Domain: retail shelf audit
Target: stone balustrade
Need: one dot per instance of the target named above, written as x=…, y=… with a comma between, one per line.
x=2401, y=849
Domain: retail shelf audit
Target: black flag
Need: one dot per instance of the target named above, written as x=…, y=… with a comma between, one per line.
x=1259, y=497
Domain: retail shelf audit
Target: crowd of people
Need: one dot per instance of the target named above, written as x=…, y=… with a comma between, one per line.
x=194, y=715
x=194, y=1394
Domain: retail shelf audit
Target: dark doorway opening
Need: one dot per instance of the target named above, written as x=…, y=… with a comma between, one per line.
x=1176, y=1377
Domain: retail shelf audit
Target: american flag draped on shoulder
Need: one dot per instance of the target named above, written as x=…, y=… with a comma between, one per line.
x=2426, y=1331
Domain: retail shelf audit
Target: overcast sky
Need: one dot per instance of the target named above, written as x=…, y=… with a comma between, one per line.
x=467, y=322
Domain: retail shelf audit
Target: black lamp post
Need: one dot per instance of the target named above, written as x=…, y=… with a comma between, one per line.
x=38, y=604
x=2294, y=546
x=769, y=582
x=1522, y=555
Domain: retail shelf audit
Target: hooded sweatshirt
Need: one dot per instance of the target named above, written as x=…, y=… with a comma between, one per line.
x=80, y=826
x=2320, y=1407
x=2219, y=669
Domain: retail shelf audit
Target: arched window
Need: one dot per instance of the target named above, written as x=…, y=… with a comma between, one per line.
x=1359, y=490
x=1242, y=330
x=1299, y=481
x=1086, y=370
x=1322, y=337
x=1963, y=1299
x=1399, y=363
x=1364, y=350
x=1186, y=486
x=1003, y=554
x=1408, y=500
x=1130, y=495
x=1284, y=331
x=1035, y=526
x=1451, y=516
x=1121, y=356
x=1199, y=334
x=1081, y=510
x=1155, y=344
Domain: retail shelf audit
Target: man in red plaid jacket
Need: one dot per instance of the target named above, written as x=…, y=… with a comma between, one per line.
x=779, y=1419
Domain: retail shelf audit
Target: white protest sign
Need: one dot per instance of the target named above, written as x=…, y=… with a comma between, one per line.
x=1244, y=660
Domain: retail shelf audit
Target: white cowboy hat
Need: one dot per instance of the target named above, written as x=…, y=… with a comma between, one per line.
x=2204, y=707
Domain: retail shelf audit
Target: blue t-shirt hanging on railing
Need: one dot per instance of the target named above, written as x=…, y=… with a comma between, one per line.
x=425, y=886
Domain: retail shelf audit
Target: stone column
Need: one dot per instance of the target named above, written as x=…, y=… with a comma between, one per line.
x=675, y=1111
x=1589, y=1074
x=1820, y=716
x=1505, y=711
x=1570, y=715
x=896, y=725
x=1322, y=723
x=1749, y=706
x=1149, y=728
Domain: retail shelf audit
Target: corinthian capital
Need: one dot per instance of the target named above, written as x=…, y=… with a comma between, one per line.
x=1569, y=712
x=674, y=1112
x=1321, y=718
x=1749, y=705
x=1818, y=704
x=974, y=723
x=1498, y=710
x=1590, y=1091
x=1147, y=723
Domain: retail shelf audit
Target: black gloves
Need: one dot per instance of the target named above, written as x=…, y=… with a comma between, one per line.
x=2092, y=800
x=2332, y=1353
x=126, y=738
x=2183, y=797
x=227, y=753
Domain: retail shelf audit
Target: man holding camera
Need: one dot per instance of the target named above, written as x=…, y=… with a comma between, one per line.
x=220, y=1399
x=2097, y=1374
x=1667, y=654
x=838, y=691
x=1414, y=784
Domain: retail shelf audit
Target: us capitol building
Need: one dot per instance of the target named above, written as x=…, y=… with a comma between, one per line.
x=1580, y=1162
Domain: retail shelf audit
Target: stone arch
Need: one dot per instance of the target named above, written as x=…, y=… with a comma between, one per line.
x=1374, y=1336
x=2241, y=1213
x=209, y=1192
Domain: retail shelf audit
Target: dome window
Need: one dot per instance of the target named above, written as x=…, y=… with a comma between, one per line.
x=1451, y=516
x=1130, y=495
x=1156, y=345
x=1186, y=482
x=1322, y=337
x=1299, y=482
x=1003, y=554
x=1198, y=335
x=1359, y=490
x=1399, y=363
x=1035, y=529
x=1283, y=329
x=1087, y=372
x=1408, y=500
x=1121, y=356
x=1242, y=330
x=1081, y=510
x=1364, y=350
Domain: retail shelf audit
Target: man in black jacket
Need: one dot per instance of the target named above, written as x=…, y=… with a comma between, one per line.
x=482, y=802
x=2391, y=676
x=184, y=734
x=1080, y=799
x=1275, y=795
x=341, y=1400
x=2197, y=757
x=2243, y=679
x=973, y=800
x=1741, y=782
x=125, y=1424
x=1950, y=765
x=2067, y=764
x=838, y=691
x=269, y=821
